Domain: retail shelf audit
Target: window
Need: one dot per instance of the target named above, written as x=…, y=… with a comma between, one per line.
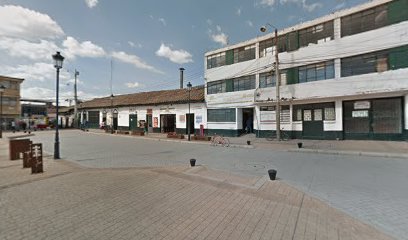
x=244, y=83
x=221, y=115
x=320, y=33
x=267, y=80
x=93, y=117
x=321, y=111
x=366, y=63
x=216, y=87
x=267, y=48
x=216, y=60
x=364, y=21
x=316, y=72
x=244, y=53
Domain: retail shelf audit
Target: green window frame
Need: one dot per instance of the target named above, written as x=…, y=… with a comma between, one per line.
x=221, y=115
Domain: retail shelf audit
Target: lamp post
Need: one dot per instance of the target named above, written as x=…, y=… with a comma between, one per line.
x=111, y=98
x=75, y=100
x=277, y=77
x=2, y=88
x=189, y=116
x=58, y=59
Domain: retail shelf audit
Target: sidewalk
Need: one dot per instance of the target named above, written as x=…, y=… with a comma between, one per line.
x=349, y=147
x=71, y=202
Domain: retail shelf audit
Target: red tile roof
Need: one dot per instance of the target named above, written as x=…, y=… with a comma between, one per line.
x=176, y=96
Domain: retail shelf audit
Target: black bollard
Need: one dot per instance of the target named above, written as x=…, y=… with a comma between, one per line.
x=192, y=162
x=272, y=174
x=299, y=144
x=248, y=142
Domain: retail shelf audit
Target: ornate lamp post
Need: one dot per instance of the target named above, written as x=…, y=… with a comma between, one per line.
x=277, y=77
x=2, y=88
x=189, y=86
x=111, y=125
x=58, y=60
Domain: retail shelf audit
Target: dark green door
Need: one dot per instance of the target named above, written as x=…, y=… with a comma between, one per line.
x=132, y=122
x=313, y=123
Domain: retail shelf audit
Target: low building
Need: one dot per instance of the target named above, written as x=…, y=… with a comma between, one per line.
x=162, y=111
x=343, y=76
x=11, y=100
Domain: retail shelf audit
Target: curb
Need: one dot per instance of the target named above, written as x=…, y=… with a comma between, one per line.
x=353, y=153
x=176, y=141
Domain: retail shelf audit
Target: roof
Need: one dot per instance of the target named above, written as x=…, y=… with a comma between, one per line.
x=11, y=78
x=175, y=96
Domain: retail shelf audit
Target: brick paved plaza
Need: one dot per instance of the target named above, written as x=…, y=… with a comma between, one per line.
x=72, y=202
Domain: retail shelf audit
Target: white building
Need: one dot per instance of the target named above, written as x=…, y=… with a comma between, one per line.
x=343, y=76
x=163, y=111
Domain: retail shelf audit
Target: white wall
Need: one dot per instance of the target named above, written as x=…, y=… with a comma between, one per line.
x=406, y=111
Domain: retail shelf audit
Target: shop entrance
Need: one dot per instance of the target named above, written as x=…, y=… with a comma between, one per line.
x=132, y=122
x=167, y=123
x=313, y=123
x=377, y=119
x=247, y=120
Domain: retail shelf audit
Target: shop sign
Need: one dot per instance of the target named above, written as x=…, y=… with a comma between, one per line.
x=359, y=114
x=199, y=119
x=362, y=105
x=156, y=122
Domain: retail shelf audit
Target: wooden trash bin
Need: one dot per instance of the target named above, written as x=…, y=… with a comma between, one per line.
x=36, y=158
x=17, y=147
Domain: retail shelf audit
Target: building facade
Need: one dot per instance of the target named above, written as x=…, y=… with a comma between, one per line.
x=11, y=100
x=162, y=111
x=343, y=76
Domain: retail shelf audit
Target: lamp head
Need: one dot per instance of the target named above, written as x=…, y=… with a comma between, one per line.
x=58, y=59
x=263, y=29
x=189, y=86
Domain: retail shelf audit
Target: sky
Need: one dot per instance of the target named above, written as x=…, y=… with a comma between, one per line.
x=138, y=45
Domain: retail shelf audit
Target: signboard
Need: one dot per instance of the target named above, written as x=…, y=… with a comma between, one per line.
x=149, y=111
x=182, y=118
x=199, y=119
x=156, y=122
x=362, y=105
x=359, y=114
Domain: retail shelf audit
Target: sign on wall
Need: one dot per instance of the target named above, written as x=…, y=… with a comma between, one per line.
x=182, y=118
x=156, y=122
x=199, y=119
x=362, y=105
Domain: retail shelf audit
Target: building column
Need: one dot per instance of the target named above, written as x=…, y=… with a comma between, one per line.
x=337, y=28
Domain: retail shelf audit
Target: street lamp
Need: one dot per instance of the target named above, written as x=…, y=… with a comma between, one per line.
x=58, y=59
x=2, y=88
x=277, y=77
x=111, y=98
x=189, y=115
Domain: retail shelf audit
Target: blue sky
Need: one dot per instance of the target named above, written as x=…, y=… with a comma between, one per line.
x=147, y=40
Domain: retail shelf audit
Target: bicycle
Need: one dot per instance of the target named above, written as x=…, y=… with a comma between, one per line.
x=283, y=136
x=219, y=140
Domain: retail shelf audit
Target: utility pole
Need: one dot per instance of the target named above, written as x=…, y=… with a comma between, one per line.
x=277, y=77
x=76, y=74
x=181, y=77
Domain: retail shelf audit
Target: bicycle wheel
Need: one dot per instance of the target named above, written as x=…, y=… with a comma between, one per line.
x=217, y=141
x=226, y=142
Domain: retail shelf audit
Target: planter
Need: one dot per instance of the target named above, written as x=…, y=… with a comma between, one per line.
x=272, y=174
x=178, y=136
x=192, y=162
x=300, y=145
x=137, y=133
x=248, y=142
x=201, y=138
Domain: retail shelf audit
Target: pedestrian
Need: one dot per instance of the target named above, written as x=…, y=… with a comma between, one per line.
x=13, y=126
x=145, y=128
x=249, y=125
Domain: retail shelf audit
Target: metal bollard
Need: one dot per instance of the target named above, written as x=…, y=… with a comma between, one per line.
x=272, y=174
x=192, y=162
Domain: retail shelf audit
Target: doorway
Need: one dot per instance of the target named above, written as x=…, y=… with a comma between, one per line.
x=247, y=120
x=190, y=119
x=132, y=122
x=313, y=123
x=167, y=123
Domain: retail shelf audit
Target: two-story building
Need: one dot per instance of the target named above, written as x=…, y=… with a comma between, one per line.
x=11, y=109
x=343, y=76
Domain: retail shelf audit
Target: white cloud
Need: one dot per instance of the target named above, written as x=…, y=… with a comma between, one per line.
x=304, y=4
x=163, y=21
x=249, y=23
x=35, y=72
x=221, y=38
x=23, y=23
x=177, y=56
x=134, y=60
x=269, y=3
x=239, y=11
x=219, y=28
x=91, y=3
x=209, y=22
x=135, y=45
x=33, y=50
x=49, y=94
x=132, y=85
x=74, y=48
